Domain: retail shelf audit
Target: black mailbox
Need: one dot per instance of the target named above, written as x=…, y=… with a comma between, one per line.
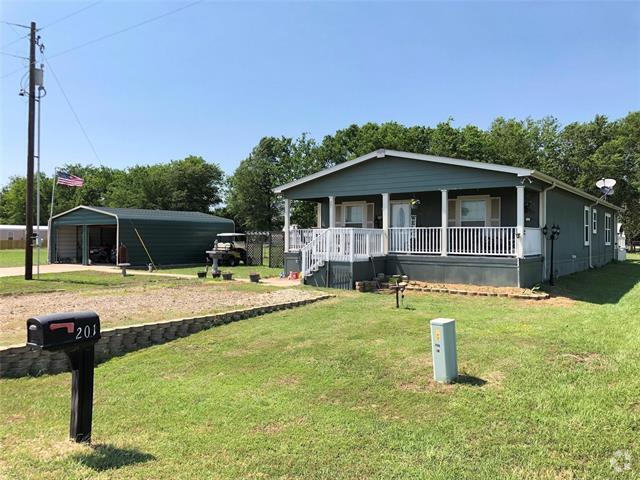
x=75, y=333
x=63, y=331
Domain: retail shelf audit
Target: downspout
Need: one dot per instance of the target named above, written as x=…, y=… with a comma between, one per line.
x=544, y=224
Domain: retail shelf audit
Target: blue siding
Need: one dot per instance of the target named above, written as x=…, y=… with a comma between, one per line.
x=400, y=175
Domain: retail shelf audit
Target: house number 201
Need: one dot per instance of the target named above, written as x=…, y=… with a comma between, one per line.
x=85, y=332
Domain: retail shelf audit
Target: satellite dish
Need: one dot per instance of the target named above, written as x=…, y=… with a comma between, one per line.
x=606, y=186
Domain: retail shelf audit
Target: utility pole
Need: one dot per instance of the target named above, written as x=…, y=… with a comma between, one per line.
x=28, y=252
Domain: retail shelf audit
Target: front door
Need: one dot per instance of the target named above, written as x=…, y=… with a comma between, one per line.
x=401, y=219
x=400, y=214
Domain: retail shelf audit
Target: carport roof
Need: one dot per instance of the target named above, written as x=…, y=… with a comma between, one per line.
x=145, y=214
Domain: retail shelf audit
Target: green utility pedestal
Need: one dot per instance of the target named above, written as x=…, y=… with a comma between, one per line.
x=443, y=348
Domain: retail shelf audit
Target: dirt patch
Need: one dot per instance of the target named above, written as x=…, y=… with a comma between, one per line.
x=590, y=360
x=135, y=305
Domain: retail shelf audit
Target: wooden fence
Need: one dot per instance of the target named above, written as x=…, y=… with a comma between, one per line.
x=13, y=244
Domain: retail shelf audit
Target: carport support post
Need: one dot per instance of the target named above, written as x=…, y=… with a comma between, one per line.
x=520, y=221
x=287, y=211
x=444, y=220
x=85, y=245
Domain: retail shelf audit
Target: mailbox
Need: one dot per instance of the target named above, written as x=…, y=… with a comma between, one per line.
x=76, y=334
x=63, y=331
x=443, y=348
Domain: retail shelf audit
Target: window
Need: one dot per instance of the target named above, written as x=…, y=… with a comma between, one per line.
x=607, y=229
x=353, y=216
x=594, y=223
x=586, y=226
x=473, y=213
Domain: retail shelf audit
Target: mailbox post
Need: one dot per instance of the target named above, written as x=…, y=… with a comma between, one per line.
x=443, y=348
x=75, y=333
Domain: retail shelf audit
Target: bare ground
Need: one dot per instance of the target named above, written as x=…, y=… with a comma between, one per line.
x=118, y=307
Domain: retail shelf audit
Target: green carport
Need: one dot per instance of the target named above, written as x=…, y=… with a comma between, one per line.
x=92, y=234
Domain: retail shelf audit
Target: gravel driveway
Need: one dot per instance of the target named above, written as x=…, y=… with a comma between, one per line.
x=135, y=305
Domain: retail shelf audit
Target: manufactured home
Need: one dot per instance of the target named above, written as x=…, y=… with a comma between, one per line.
x=444, y=220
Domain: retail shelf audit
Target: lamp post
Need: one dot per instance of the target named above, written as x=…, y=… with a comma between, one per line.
x=553, y=234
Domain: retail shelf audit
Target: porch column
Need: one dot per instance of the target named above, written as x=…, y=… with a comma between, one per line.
x=444, y=221
x=386, y=221
x=332, y=211
x=520, y=221
x=287, y=208
x=319, y=214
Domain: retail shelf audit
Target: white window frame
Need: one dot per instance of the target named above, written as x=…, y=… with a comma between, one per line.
x=594, y=221
x=607, y=229
x=340, y=223
x=455, y=207
x=487, y=207
x=587, y=225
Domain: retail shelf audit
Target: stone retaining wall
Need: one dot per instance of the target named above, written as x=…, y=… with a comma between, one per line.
x=19, y=361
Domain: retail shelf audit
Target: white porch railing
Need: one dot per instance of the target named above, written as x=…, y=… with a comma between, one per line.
x=532, y=241
x=498, y=241
x=341, y=244
x=299, y=237
x=415, y=239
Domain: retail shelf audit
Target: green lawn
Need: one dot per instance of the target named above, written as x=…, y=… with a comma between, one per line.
x=341, y=389
x=240, y=271
x=15, y=257
x=82, y=280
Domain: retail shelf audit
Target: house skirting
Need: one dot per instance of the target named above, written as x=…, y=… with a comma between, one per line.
x=494, y=271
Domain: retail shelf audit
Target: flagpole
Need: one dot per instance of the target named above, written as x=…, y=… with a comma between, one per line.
x=53, y=191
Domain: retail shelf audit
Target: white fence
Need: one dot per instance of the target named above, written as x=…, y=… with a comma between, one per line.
x=299, y=237
x=349, y=244
x=415, y=240
x=341, y=244
x=498, y=241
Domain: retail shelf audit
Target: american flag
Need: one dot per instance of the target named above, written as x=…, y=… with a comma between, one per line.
x=69, y=180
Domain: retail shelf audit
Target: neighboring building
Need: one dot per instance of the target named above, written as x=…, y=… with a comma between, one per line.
x=18, y=232
x=443, y=220
x=170, y=238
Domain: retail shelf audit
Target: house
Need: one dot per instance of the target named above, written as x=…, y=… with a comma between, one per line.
x=89, y=234
x=13, y=236
x=443, y=220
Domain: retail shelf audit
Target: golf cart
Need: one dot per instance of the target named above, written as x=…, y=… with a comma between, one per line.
x=228, y=249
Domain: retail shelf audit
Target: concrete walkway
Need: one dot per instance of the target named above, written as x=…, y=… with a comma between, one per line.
x=61, y=268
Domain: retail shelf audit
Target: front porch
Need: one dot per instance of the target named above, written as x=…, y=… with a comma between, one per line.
x=499, y=225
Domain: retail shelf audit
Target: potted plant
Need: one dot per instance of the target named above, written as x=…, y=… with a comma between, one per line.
x=254, y=277
x=215, y=273
x=202, y=274
x=227, y=275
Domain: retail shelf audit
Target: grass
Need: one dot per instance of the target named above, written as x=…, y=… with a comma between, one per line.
x=341, y=389
x=240, y=271
x=79, y=281
x=15, y=257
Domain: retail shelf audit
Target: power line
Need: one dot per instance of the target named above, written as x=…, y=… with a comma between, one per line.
x=86, y=136
x=55, y=22
x=15, y=56
x=126, y=29
x=72, y=14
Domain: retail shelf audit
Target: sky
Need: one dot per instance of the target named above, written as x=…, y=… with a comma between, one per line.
x=215, y=77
